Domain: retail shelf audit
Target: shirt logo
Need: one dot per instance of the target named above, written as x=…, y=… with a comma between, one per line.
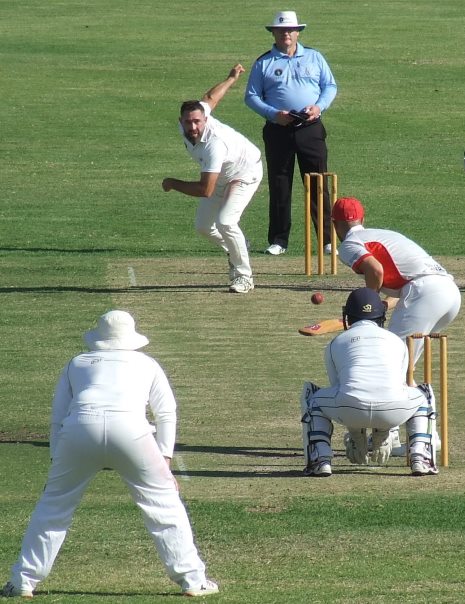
x=278, y=72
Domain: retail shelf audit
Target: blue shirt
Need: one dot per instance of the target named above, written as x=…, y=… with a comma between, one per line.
x=278, y=82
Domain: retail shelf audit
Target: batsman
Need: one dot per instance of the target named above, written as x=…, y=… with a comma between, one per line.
x=422, y=293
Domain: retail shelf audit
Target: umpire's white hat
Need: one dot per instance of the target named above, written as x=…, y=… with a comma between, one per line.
x=288, y=19
x=116, y=330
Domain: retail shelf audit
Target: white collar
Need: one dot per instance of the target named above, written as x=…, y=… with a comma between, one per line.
x=357, y=227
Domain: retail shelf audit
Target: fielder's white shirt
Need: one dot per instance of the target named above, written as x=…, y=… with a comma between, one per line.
x=402, y=259
x=224, y=151
x=368, y=363
x=119, y=381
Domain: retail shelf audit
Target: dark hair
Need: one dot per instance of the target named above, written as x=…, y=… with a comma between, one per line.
x=189, y=106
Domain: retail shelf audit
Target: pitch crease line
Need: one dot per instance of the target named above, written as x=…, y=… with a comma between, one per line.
x=132, y=276
x=181, y=467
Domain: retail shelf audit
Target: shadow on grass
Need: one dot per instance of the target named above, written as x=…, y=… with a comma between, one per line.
x=269, y=453
x=247, y=451
x=106, y=594
x=337, y=471
x=104, y=290
x=47, y=289
x=54, y=250
x=256, y=452
x=22, y=441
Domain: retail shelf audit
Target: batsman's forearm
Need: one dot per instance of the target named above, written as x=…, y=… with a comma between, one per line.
x=373, y=282
x=390, y=302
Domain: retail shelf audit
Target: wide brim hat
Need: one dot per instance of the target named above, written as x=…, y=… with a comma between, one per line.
x=116, y=330
x=286, y=18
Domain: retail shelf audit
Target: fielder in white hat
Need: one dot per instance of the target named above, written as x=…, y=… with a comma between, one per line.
x=116, y=331
x=99, y=421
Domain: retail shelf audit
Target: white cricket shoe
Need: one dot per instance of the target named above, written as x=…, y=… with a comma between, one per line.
x=241, y=285
x=206, y=589
x=275, y=249
x=327, y=249
x=318, y=469
x=421, y=466
x=10, y=591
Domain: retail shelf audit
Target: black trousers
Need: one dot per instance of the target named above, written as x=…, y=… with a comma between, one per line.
x=282, y=145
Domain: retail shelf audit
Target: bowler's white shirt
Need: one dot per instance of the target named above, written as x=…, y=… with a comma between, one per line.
x=224, y=151
x=368, y=363
x=402, y=259
x=118, y=381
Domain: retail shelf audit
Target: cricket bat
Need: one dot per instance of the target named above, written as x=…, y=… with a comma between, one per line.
x=325, y=326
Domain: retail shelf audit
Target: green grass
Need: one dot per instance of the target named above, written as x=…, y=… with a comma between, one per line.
x=89, y=104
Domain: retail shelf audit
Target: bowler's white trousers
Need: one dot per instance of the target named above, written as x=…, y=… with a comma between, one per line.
x=218, y=218
x=87, y=443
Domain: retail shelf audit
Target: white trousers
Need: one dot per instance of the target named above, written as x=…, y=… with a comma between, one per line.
x=354, y=413
x=218, y=219
x=88, y=443
x=426, y=305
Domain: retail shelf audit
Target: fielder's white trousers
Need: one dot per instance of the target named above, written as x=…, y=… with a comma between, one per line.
x=218, y=219
x=426, y=305
x=88, y=443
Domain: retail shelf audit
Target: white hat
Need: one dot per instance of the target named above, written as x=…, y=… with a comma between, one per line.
x=116, y=331
x=286, y=18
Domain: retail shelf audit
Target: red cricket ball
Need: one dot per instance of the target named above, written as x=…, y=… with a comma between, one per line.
x=317, y=298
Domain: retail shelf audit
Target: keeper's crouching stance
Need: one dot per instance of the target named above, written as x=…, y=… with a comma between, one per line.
x=367, y=367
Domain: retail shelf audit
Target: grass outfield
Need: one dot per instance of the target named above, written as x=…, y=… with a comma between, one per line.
x=89, y=105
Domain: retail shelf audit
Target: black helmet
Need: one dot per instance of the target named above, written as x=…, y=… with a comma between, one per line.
x=364, y=303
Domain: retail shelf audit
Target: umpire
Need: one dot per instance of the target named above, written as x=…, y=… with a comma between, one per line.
x=291, y=77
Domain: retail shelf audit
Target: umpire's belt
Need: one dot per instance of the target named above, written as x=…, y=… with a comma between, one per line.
x=295, y=126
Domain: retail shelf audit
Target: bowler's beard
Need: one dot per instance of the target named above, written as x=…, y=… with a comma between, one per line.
x=193, y=139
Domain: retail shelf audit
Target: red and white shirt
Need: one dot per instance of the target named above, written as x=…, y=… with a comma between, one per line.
x=401, y=258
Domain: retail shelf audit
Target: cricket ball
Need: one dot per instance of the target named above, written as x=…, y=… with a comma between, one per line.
x=317, y=298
